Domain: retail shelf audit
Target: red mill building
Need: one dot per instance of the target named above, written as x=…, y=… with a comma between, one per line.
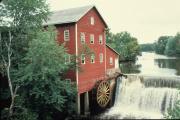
x=76, y=28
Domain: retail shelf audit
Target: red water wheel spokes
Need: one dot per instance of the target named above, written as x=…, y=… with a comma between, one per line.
x=103, y=93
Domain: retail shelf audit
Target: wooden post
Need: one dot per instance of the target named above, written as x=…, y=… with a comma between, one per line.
x=86, y=103
x=78, y=104
x=112, y=89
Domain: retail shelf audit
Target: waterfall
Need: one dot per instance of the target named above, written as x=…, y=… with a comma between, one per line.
x=144, y=97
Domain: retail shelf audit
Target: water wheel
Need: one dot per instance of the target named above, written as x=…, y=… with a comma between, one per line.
x=103, y=94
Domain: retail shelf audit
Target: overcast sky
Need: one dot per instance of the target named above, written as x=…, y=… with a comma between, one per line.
x=144, y=19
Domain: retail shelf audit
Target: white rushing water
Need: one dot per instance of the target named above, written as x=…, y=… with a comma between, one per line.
x=144, y=97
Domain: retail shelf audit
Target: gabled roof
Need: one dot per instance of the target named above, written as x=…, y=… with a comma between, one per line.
x=112, y=49
x=71, y=15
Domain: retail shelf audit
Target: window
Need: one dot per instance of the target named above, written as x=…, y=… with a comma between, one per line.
x=111, y=61
x=82, y=38
x=101, y=57
x=92, y=20
x=67, y=59
x=83, y=59
x=92, y=58
x=68, y=80
x=92, y=38
x=66, y=35
x=100, y=39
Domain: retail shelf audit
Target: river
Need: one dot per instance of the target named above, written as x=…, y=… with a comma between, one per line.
x=151, y=63
x=150, y=89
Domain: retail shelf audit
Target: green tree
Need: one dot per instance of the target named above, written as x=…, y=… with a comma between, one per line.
x=110, y=38
x=170, y=47
x=177, y=44
x=21, y=19
x=160, y=45
x=41, y=76
x=125, y=44
x=174, y=113
x=24, y=18
x=147, y=47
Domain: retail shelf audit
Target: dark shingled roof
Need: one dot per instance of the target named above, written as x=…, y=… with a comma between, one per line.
x=71, y=15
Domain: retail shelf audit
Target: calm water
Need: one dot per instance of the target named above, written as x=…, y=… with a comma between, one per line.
x=153, y=64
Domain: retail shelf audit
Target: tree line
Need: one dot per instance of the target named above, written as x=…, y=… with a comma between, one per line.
x=165, y=45
x=147, y=47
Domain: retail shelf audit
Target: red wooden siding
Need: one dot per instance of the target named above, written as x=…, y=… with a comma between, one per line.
x=70, y=45
x=110, y=53
x=91, y=72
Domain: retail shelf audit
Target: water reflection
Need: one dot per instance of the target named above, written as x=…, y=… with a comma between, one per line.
x=130, y=67
x=153, y=64
x=169, y=63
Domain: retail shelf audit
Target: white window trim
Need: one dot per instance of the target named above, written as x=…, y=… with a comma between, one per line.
x=92, y=20
x=68, y=80
x=111, y=61
x=83, y=38
x=83, y=58
x=101, y=57
x=92, y=38
x=66, y=35
x=100, y=39
x=67, y=59
x=93, y=58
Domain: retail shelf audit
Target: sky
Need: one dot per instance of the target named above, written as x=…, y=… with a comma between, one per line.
x=146, y=20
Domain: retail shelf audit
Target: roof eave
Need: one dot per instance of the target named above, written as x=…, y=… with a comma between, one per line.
x=75, y=21
x=60, y=23
x=106, y=26
x=112, y=49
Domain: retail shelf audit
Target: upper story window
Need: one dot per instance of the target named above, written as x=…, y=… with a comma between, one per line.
x=92, y=20
x=100, y=39
x=101, y=57
x=92, y=58
x=111, y=61
x=67, y=59
x=68, y=80
x=82, y=37
x=82, y=58
x=92, y=38
x=66, y=35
